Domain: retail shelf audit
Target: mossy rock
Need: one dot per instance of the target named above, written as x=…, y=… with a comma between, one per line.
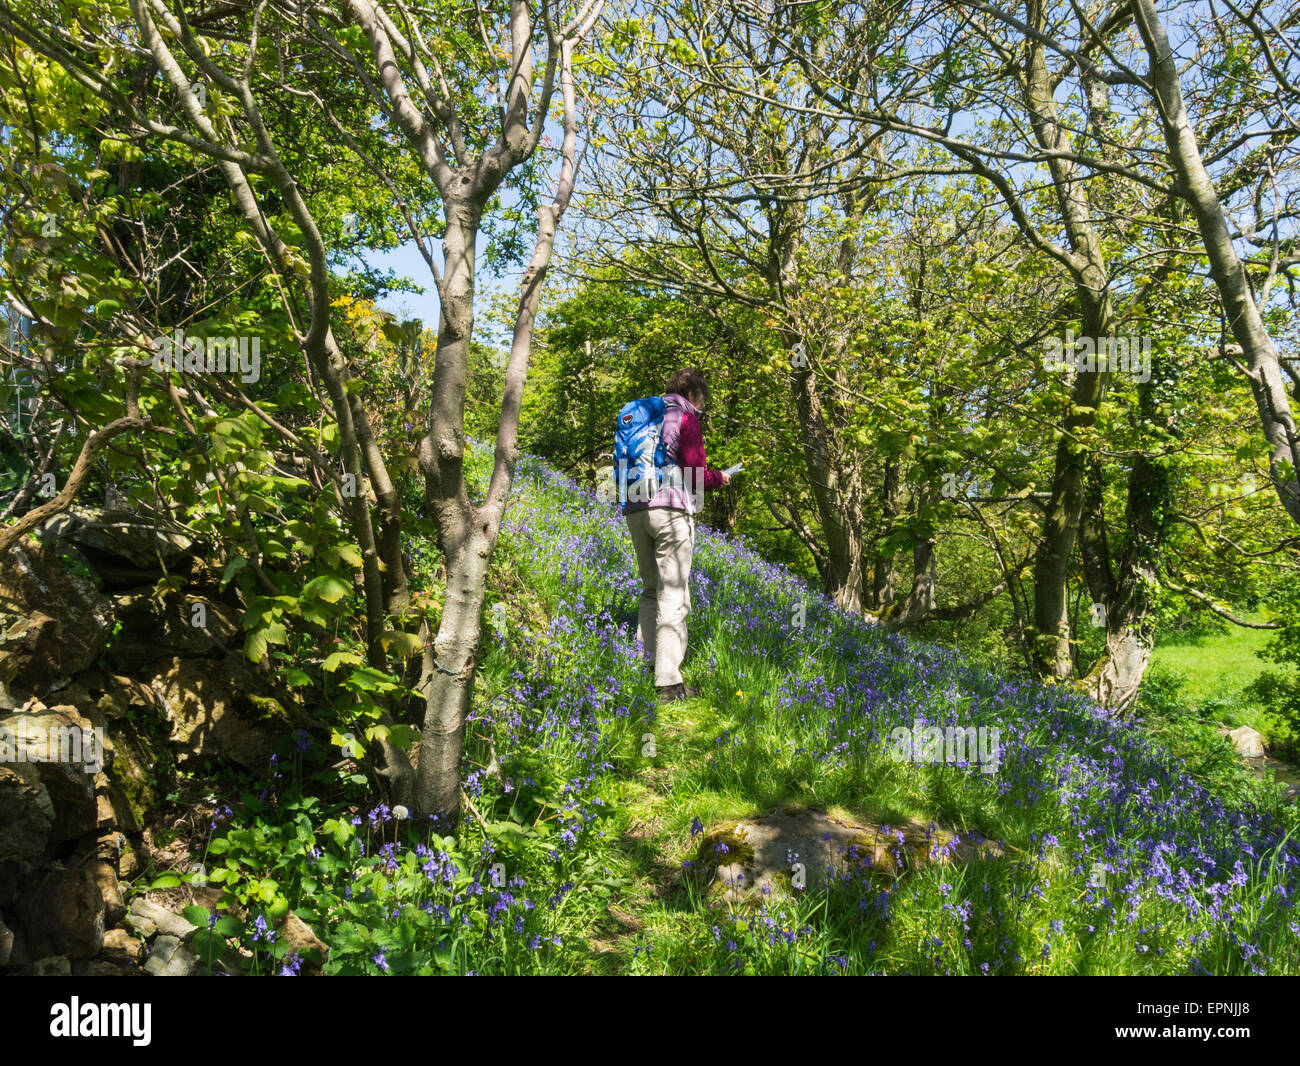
x=796, y=849
x=724, y=845
x=221, y=709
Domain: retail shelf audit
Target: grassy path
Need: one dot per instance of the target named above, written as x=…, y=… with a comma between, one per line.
x=654, y=840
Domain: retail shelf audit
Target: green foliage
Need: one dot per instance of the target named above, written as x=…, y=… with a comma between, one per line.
x=1277, y=691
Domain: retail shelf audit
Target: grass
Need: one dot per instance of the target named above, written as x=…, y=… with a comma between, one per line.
x=594, y=802
x=1216, y=664
x=790, y=717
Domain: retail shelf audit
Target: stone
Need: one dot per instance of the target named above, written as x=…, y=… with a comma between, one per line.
x=219, y=709
x=65, y=751
x=168, y=957
x=113, y=810
x=119, y=534
x=104, y=968
x=54, y=621
x=122, y=853
x=303, y=941
x=132, y=860
x=160, y=919
x=1248, y=742
x=753, y=856
x=110, y=891
x=153, y=628
x=50, y=966
x=137, y=771
x=14, y=873
x=120, y=948
x=26, y=812
x=64, y=915
x=141, y=926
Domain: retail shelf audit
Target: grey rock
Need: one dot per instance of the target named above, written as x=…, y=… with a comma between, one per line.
x=777, y=851
x=120, y=534
x=109, y=889
x=170, y=958
x=1248, y=742
x=53, y=619
x=219, y=708
x=50, y=966
x=141, y=926
x=64, y=750
x=161, y=919
x=104, y=968
x=26, y=812
x=64, y=915
x=152, y=629
x=120, y=948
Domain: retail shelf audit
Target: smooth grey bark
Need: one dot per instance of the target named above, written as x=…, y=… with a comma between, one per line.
x=1263, y=369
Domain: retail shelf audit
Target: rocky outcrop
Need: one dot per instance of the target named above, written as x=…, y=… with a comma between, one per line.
x=26, y=812
x=67, y=752
x=221, y=709
x=54, y=621
x=120, y=535
x=154, y=627
x=64, y=916
x=103, y=696
x=796, y=850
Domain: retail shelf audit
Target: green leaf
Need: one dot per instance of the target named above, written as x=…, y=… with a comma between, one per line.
x=348, y=553
x=402, y=644
x=341, y=658
x=232, y=568
x=196, y=915
x=228, y=925
x=327, y=587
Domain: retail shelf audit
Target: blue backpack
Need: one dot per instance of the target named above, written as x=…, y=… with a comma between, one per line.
x=639, y=451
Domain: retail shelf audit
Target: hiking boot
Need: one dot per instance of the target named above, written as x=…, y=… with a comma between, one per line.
x=671, y=693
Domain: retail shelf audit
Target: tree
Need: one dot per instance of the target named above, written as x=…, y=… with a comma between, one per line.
x=222, y=70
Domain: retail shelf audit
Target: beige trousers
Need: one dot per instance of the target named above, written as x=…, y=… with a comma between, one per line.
x=664, y=541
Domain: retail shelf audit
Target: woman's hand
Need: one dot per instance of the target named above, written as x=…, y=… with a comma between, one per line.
x=726, y=478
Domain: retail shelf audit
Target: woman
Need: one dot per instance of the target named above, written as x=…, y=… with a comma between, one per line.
x=663, y=532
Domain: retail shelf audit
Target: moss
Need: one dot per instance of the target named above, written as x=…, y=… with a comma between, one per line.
x=268, y=709
x=710, y=856
x=142, y=770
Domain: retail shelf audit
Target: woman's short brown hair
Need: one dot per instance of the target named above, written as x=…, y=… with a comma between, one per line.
x=688, y=382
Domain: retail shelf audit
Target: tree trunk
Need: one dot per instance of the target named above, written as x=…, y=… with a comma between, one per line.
x=1051, y=644
x=449, y=670
x=884, y=578
x=462, y=540
x=836, y=493
x=1128, y=592
x=1194, y=184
